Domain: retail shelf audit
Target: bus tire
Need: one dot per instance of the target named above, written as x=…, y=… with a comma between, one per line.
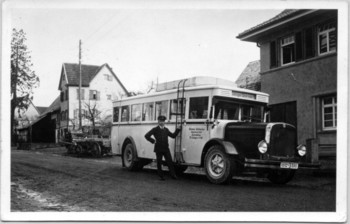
x=218, y=165
x=130, y=157
x=180, y=169
x=280, y=176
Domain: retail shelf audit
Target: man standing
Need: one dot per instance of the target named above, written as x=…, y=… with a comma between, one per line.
x=161, y=147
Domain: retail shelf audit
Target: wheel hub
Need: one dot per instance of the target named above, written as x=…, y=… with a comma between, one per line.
x=216, y=165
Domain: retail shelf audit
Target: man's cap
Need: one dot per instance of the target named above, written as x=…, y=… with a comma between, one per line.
x=161, y=118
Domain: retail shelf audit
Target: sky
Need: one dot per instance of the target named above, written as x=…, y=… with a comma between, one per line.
x=141, y=44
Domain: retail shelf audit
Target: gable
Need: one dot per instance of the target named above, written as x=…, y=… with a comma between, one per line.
x=105, y=69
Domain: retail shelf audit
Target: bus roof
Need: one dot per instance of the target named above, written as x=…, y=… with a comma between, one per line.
x=194, y=88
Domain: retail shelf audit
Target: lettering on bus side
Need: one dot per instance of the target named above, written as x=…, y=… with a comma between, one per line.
x=196, y=133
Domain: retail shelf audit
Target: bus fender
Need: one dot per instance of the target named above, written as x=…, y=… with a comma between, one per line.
x=132, y=141
x=228, y=147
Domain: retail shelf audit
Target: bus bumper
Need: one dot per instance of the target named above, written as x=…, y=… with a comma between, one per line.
x=271, y=164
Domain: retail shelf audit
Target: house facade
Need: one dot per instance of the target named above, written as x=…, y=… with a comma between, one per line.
x=99, y=87
x=298, y=57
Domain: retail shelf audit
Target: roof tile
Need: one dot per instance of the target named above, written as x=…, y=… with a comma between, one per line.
x=88, y=72
x=285, y=13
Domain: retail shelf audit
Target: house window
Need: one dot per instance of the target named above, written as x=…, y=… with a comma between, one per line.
x=62, y=96
x=82, y=94
x=327, y=38
x=66, y=93
x=287, y=50
x=108, y=77
x=109, y=96
x=94, y=95
x=329, y=113
x=76, y=113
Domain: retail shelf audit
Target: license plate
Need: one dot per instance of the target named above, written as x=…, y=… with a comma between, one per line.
x=287, y=165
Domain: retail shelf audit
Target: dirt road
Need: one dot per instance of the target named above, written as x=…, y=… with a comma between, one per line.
x=55, y=182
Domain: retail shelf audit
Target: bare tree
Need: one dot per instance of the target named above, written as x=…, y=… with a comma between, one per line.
x=92, y=113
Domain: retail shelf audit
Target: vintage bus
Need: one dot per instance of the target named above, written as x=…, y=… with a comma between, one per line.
x=223, y=130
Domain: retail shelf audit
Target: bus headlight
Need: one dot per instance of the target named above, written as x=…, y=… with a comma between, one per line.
x=262, y=146
x=301, y=150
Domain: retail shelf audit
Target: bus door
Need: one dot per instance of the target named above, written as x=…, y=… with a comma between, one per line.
x=195, y=130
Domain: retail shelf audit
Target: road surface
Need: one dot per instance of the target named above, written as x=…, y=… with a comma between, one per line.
x=42, y=181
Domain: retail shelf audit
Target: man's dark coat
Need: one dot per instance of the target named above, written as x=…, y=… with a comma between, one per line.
x=161, y=138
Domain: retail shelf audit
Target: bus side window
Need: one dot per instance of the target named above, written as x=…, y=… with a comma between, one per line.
x=174, y=107
x=198, y=108
x=116, y=114
x=136, y=112
x=125, y=113
x=147, y=113
x=161, y=108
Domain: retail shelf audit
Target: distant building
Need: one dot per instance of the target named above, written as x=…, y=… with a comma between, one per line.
x=100, y=86
x=44, y=128
x=298, y=59
x=25, y=117
x=250, y=77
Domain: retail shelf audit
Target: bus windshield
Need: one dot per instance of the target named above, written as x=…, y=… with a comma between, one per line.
x=229, y=109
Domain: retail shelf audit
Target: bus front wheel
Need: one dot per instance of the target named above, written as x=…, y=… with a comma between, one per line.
x=219, y=166
x=130, y=157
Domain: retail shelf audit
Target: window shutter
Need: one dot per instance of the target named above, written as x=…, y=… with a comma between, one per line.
x=309, y=43
x=91, y=95
x=83, y=94
x=67, y=94
x=62, y=96
x=273, y=54
x=98, y=95
x=298, y=47
x=77, y=94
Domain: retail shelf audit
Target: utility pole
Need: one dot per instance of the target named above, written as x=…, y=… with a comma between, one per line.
x=79, y=84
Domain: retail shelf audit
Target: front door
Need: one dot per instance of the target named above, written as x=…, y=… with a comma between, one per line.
x=195, y=131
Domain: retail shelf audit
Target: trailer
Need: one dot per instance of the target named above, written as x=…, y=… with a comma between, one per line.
x=80, y=143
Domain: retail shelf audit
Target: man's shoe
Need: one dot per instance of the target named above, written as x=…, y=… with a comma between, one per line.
x=161, y=178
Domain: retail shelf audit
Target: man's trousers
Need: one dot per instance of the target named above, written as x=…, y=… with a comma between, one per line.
x=168, y=160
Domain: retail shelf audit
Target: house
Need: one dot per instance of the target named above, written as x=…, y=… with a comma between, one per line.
x=298, y=59
x=99, y=87
x=250, y=77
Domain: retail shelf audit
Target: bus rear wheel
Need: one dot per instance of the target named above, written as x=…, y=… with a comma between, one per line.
x=219, y=166
x=130, y=157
